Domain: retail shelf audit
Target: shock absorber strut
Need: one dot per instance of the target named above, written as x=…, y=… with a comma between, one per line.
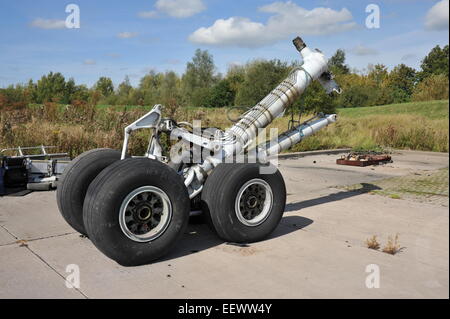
x=237, y=138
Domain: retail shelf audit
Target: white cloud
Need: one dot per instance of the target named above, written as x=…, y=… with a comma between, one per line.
x=287, y=19
x=148, y=14
x=437, y=16
x=48, y=24
x=362, y=50
x=89, y=62
x=180, y=8
x=127, y=35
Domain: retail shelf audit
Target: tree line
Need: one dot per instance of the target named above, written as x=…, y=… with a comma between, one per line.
x=202, y=86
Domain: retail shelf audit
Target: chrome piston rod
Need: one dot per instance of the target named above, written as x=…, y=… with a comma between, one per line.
x=296, y=135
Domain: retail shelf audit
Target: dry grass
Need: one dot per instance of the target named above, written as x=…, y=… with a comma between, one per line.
x=78, y=128
x=372, y=243
x=392, y=247
x=72, y=130
x=400, y=131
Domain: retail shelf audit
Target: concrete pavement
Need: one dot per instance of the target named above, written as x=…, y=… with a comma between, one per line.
x=318, y=251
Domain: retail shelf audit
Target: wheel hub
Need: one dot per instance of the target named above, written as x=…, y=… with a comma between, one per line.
x=145, y=214
x=254, y=202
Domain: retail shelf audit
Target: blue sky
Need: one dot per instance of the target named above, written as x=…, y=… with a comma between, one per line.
x=119, y=38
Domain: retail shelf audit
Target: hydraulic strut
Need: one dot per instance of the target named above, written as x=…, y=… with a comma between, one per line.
x=242, y=134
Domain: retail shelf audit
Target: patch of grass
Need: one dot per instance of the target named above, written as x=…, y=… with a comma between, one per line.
x=375, y=132
x=416, y=126
x=392, y=247
x=430, y=110
x=372, y=243
x=395, y=196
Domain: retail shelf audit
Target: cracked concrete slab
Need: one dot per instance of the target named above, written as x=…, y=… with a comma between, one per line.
x=116, y=281
x=33, y=216
x=25, y=276
x=318, y=250
x=309, y=256
x=5, y=237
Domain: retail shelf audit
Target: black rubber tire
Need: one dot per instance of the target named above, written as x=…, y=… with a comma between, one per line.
x=218, y=201
x=75, y=181
x=105, y=196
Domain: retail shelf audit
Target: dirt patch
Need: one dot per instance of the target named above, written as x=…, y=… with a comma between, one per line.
x=243, y=250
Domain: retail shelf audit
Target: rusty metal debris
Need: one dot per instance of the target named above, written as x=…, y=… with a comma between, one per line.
x=364, y=159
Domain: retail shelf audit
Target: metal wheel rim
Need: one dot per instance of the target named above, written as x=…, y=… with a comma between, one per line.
x=244, y=203
x=145, y=214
